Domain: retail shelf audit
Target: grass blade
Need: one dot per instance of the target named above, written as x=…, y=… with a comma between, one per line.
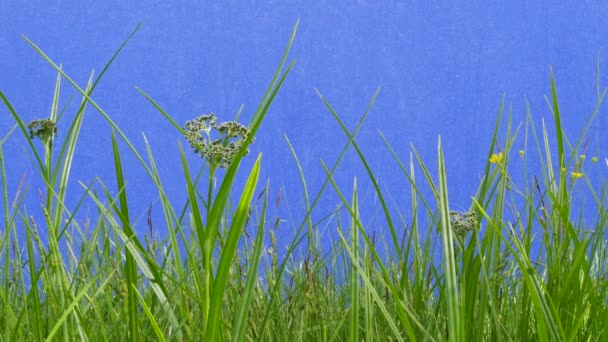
x=240, y=320
x=130, y=267
x=455, y=326
x=228, y=252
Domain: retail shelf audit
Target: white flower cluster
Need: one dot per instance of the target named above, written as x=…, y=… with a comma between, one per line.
x=221, y=151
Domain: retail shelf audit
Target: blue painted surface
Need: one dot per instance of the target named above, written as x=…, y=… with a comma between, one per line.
x=443, y=69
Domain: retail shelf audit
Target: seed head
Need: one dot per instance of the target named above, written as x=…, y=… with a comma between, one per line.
x=462, y=222
x=43, y=129
x=220, y=147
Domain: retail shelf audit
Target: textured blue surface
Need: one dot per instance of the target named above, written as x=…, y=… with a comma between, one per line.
x=443, y=69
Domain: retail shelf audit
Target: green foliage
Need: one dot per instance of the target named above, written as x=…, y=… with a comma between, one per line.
x=438, y=274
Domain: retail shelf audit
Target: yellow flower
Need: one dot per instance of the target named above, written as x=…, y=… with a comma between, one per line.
x=576, y=175
x=522, y=153
x=594, y=159
x=582, y=157
x=496, y=158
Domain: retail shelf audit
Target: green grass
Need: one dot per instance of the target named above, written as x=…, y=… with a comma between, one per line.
x=211, y=280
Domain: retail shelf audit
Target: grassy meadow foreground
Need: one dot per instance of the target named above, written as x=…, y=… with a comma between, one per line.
x=519, y=264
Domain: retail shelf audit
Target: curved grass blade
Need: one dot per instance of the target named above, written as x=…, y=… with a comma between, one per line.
x=306, y=198
x=150, y=315
x=370, y=174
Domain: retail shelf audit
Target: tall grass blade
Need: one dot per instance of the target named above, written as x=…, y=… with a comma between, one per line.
x=130, y=266
x=311, y=243
x=354, y=311
x=228, y=252
x=240, y=320
x=455, y=324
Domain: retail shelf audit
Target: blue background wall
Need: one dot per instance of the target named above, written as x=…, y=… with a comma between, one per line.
x=443, y=69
